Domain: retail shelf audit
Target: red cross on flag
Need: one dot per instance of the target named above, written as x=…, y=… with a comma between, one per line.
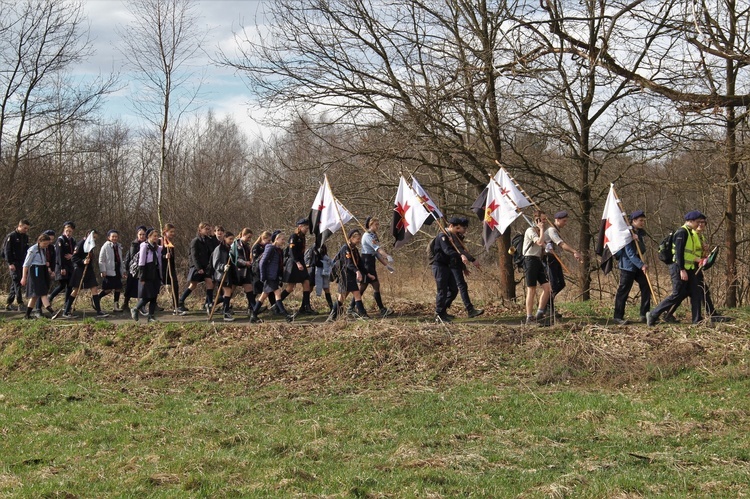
x=510, y=188
x=499, y=213
x=408, y=214
x=427, y=201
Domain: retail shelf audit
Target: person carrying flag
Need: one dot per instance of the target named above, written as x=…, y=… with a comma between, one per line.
x=633, y=269
x=443, y=251
x=295, y=271
x=83, y=276
x=553, y=242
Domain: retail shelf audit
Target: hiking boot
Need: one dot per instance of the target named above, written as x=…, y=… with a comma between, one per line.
x=254, y=319
x=620, y=322
x=443, y=318
x=101, y=314
x=720, y=318
x=228, y=317
x=475, y=312
x=385, y=312
x=651, y=320
x=134, y=314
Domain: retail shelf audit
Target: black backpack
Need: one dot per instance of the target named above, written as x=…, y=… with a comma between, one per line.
x=665, y=249
x=431, y=251
x=517, y=243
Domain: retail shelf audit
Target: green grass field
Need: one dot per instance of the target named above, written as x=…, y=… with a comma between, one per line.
x=392, y=408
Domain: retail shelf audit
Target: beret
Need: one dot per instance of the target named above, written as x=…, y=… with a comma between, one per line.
x=637, y=214
x=694, y=215
x=561, y=214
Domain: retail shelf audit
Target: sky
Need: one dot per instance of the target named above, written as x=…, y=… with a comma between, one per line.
x=222, y=90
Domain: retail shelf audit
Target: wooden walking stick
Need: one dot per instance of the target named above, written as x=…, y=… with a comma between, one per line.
x=80, y=284
x=170, y=279
x=219, y=292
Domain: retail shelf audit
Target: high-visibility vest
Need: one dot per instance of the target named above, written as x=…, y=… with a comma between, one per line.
x=693, y=248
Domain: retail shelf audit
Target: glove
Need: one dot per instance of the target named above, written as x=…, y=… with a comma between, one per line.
x=390, y=269
x=389, y=258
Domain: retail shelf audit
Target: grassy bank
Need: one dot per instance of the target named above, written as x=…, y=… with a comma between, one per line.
x=386, y=409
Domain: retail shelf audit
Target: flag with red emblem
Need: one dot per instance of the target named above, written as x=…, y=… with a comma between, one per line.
x=408, y=214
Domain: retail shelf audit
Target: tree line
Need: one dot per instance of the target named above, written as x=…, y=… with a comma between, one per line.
x=567, y=96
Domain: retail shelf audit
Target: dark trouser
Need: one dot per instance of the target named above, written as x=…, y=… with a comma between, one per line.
x=555, y=275
x=680, y=290
x=446, y=287
x=706, y=293
x=463, y=289
x=627, y=278
x=16, y=290
x=151, y=305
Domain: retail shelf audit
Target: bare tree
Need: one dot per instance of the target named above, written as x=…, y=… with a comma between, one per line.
x=160, y=44
x=40, y=43
x=419, y=75
x=698, y=56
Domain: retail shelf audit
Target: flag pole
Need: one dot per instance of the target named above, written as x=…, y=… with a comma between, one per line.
x=633, y=234
x=518, y=186
x=426, y=207
x=528, y=220
x=343, y=229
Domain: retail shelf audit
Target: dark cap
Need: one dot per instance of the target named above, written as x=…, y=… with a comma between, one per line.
x=141, y=227
x=112, y=231
x=149, y=231
x=303, y=221
x=367, y=222
x=637, y=214
x=352, y=232
x=462, y=221
x=49, y=232
x=274, y=234
x=69, y=224
x=694, y=215
x=561, y=214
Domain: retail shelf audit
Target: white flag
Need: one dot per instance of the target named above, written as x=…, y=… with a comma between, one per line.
x=499, y=208
x=428, y=202
x=509, y=188
x=332, y=212
x=616, y=232
x=409, y=213
x=89, y=243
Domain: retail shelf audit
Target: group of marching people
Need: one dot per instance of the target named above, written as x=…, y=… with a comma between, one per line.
x=267, y=268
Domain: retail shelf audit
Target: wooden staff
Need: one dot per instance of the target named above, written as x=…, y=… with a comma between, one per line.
x=633, y=234
x=221, y=283
x=169, y=272
x=80, y=285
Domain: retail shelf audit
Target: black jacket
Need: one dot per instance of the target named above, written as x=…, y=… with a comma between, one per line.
x=15, y=248
x=200, y=253
x=65, y=246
